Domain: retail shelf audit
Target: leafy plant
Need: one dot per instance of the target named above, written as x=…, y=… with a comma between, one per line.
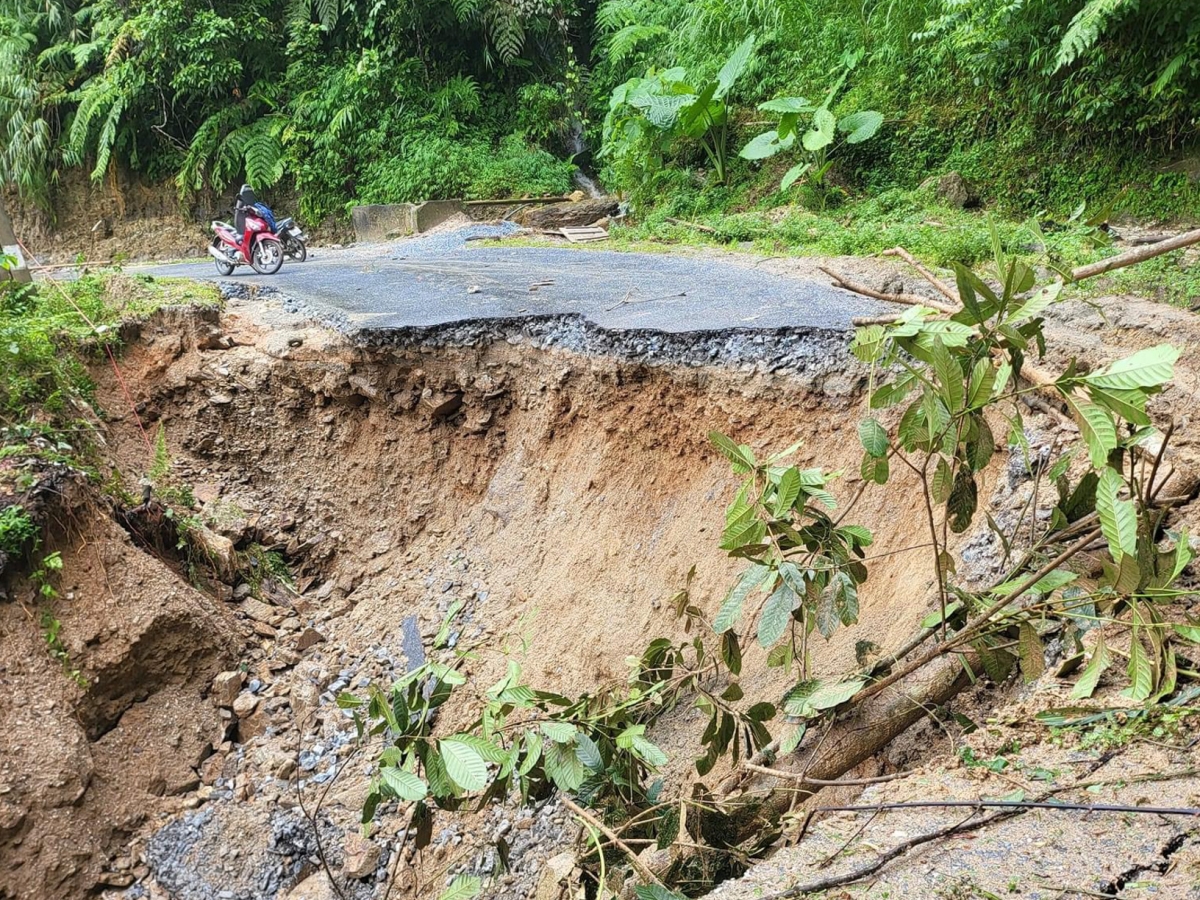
x=817, y=129
x=651, y=114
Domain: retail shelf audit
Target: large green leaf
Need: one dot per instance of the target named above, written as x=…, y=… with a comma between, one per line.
x=1101, y=659
x=860, y=126
x=731, y=609
x=564, y=766
x=787, y=492
x=784, y=105
x=766, y=145
x=404, y=785
x=873, y=437
x=772, y=623
x=735, y=66
x=656, y=892
x=1118, y=518
x=465, y=767
x=1099, y=432
x=1148, y=368
x=1130, y=405
x=1141, y=670
x=950, y=376
x=794, y=174
x=821, y=134
x=463, y=887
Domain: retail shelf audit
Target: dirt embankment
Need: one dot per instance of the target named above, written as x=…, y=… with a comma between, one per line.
x=126, y=218
x=561, y=497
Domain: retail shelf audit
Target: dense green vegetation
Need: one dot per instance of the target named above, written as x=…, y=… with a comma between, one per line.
x=1041, y=105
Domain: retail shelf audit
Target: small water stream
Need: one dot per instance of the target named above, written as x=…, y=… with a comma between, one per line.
x=579, y=147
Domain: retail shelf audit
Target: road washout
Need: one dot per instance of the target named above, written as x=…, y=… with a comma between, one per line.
x=554, y=478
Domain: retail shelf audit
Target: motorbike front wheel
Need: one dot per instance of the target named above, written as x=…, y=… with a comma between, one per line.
x=266, y=257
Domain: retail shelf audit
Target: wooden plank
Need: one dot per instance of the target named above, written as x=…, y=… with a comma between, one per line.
x=584, y=235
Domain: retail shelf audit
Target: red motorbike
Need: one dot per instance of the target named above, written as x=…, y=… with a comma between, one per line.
x=257, y=246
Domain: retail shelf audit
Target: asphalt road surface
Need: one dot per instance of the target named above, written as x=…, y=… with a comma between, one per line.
x=439, y=279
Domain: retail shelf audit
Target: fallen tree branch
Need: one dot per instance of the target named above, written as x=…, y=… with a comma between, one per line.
x=1191, y=811
x=586, y=816
x=906, y=299
x=802, y=778
x=707, y=229
x=940, y=286
x=974, y=628
x=1133, y=257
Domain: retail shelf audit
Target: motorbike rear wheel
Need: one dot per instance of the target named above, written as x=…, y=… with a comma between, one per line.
x=223, y=268
x=266, y=257
x=296, y=250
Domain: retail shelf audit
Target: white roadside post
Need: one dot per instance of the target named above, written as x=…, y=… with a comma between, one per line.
x=8, y=240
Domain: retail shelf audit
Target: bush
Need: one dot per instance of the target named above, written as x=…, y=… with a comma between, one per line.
x=432, y=166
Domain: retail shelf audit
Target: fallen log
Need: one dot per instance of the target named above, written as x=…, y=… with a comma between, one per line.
x=1133, y=257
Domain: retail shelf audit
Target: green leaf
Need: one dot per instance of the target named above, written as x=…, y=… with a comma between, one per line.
x=564, y=766
x=860, y=126
x=655, y=892
x=1036, y=304
x=787, y=492
x=1099, y=432
x=790, y=741
x=983, y=379
x=731, y=609
x=868, y=343
x=776, y=613
x=649, y=752
x=1150, y=368
x=821, y=134
x=735, y=66
x=741, y=457
x=463, y=887
x=765, y=146
x=1141, y=670
x=873, y=438
x=934, y=619
x=1118, y=518
x=810, y=697
x=402, y=784
x=559, y=732
x=794, y=174
x=950, y=376
x=1129, y=405
x=1188, y=632
x=465, y=767
x=787, y=105
x=942, y=481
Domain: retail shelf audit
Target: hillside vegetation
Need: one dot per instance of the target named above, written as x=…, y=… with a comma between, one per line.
x=1041, y=105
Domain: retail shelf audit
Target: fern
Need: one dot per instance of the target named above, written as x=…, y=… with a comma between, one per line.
x=624, y=42
x=505, y=31
x=1087, y=26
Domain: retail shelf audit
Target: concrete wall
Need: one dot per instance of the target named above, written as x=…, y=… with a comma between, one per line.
x=381, y=222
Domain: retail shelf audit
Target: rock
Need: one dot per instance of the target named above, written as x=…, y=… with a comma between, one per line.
x=226, y=688
x=305, y=700
x=242, y=591
x=576, y=196
x=253, y=725
x=568, y=215
x=314, y=887
x=555, y=872
x=219, y=398
x=309, y=637
x=440, y=403
x=952, y=189
x=361, y=856
x=212, y=769
x=219, y=551
x=245, y=704
x=261, y=612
